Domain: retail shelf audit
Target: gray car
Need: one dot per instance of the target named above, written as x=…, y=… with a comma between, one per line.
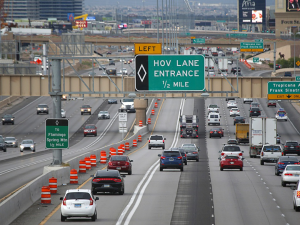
x=2, y=145
x=103, y=115
x=192, y=152
x=11, y=142
x=27, y=144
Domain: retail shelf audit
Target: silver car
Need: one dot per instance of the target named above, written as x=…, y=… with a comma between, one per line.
x=103, y=115
x=11, y=142
x=63, y=113
x=27, y=144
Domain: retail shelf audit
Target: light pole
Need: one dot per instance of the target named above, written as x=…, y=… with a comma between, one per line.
x=157, y=22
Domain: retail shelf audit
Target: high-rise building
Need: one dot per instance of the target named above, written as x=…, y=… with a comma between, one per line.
x=42, y=9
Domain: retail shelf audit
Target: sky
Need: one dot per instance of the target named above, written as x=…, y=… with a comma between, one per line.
x=153, y=2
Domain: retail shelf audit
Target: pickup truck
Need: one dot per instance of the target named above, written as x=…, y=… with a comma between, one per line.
x=156, y=141
x=231, y=150
x=270, y=153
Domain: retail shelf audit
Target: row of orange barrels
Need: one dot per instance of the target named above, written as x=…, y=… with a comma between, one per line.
x=152, y=113
x=85, y=164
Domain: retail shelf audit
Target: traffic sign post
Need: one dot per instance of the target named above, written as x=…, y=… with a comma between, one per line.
x=255, y=59
x=259, y=40
x=199, y=41
x=57, y=133
x=122, y=123
x=252, y=47
x=170, y=73
x=283, y=90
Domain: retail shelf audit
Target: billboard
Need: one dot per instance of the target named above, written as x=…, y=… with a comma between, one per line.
x=122, y=26
x=252, y=11
x=292, y=6
x=71, y=17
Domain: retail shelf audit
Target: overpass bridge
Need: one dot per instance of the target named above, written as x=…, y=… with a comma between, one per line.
x=102, y=86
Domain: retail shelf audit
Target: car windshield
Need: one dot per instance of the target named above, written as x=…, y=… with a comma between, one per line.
x=128, y=100
x=7, y=116
x=86, y=106
x=42, y=106
x=78, y=195
x=27, y=142
x=90, y=127
x=156, y=138
x=9, y=139
x=231, y=149
x=171, y=153
x=119, y=158
x=104, y=112
x=293, y=168
x=62, y=110
x=272, y=149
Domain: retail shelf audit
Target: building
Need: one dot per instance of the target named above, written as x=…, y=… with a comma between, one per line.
x=287, y=17
x=42, y=9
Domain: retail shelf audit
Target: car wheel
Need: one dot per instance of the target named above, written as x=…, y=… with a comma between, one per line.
x=2, y=123
x=197, y=160
x=4, y=150
x=62, y=218
x=90, y=113
x=81, y=113
x=283, y=184
x=149, y=147
x=21, y=151
x=130, y=172
x=161, y=169
x=13, y=123
x=185, y=163
x=84, y=135
x=94, y=217
x=220, y=136
x=181, y=169
x=163, y=147
x=209, y=136
x=297, y=209
x=241, y=169
x=276, y=173
x=221, y=169
x=262, y=162
x=121, y=192
x=33, y=150
x=284, y=153
x=96, y=135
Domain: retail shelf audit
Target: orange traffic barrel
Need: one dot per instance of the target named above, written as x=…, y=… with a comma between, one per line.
x=82, y=166
x=153, y=112
x=158, y=99
x=155, y=105
x=127, y=147
x=73, y=176
x=139, y=138
x=46, y=195
x=134, y=143
x=93, y=160
x=149, y=120
x=112, y=151
x=140, y=123
x=120, y=150
x=53, y=185
x=88, y=163
x=103, y=157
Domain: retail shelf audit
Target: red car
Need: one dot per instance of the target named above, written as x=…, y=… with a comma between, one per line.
x=231, y=162
x=271, y=103
x=90, y=129
x=121, y=163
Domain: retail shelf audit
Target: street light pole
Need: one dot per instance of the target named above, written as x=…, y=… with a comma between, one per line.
x=157, y=22
x=294, y=55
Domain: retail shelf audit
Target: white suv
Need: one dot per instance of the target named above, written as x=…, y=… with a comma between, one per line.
x=156, y=141
x=270, y=153
x=78, y=203
x=214, y=118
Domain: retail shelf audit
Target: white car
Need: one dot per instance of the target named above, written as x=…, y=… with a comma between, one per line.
x=211, y=73
x=213, y=108
x=281, y=115
x=247, y=100
x=296, y=197
x=63, y=113
x=27, y=144
x=231, y=104
x=78, y=203
x=231, y=150
x=290, y=175
x=124, y=71
x=234, y=112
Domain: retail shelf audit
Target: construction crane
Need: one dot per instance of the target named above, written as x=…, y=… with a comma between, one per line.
x=84, y=16
x=3, y=16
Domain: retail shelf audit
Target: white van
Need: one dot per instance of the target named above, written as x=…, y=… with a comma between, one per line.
x=214, y=119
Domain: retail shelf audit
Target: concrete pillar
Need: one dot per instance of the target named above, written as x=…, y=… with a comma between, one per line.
x=140, y=106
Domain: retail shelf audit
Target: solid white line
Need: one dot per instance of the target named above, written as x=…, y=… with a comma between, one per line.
x=26, y=105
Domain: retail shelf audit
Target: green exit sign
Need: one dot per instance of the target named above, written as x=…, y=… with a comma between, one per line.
x=57, y=133
x=170, y=73
x=259, y=40
x=297, y=78
x=199, y=41
x=255, y=59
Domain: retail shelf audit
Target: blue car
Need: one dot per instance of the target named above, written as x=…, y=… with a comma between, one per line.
x=171, y=159
x=283, y=161
x=183, y=154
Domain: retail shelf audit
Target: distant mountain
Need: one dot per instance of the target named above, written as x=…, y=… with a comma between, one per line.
x=153, y=2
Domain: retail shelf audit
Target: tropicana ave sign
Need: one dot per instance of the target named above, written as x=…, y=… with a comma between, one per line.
x=170, y=73
x=283, y=90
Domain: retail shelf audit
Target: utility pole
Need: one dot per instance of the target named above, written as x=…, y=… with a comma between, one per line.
x=157, y=22
x=162, y=19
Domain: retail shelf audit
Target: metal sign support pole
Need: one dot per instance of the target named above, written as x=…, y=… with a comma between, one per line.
x=56, y=88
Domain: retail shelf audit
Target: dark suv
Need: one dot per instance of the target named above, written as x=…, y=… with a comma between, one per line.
x=2, y=145
x=254, y=112
x=291, y=147
x=170, y=159
x=287, y=74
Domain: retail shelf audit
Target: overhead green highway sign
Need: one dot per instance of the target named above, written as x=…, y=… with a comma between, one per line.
x=252, y=47
x=283, y=90
x=57, y=133
x=199, y=41
x=169, y=73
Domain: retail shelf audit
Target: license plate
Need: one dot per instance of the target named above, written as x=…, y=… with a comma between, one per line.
x=292, y=147
x=296, y=175
x=231, y=162
x=106, y=185
x=171, y=159
x=77, y=205
x=118, y=168
x=216, y=120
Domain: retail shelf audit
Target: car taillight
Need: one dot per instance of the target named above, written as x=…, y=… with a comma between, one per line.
x=195, y=152
x=65, y=201
x=110, y=179
x=127, y=164
x=286, y=146
x=280, y=163
x=180, y=157
x=222, y=153
x=110, y=164
x=185, y=155
x=298, y=194
x=211, y=132
x=149, y=141
x=262, y=153
x=234, y=119
x=181, y=135
x=197, y=135
x=258, y=111
x=197, y=125
x=297, y=163
x=208, y=120
x=162, y=157
x=288, y=174
x=282, y=154
x=163, y=141
x=251, y=111
x=240, y=154
x=91, y=201
x=219, y=132
x=297, y=146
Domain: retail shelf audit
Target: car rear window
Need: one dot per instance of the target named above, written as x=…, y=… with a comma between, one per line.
x=156, y=138
x=281, y=112
x=231, y=149
x=118, y=158
x=78, y=195
x=213, y=106
x=171, y=153
x=292, y=144
x=272, y=149
x=231, y=157
x=293, y=168
x=214, y=116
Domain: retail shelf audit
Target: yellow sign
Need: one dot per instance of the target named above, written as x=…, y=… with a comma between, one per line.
x=283, y=96
x=147, y=48
x=193, y=37
x=298, y=63
x=251, y=50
